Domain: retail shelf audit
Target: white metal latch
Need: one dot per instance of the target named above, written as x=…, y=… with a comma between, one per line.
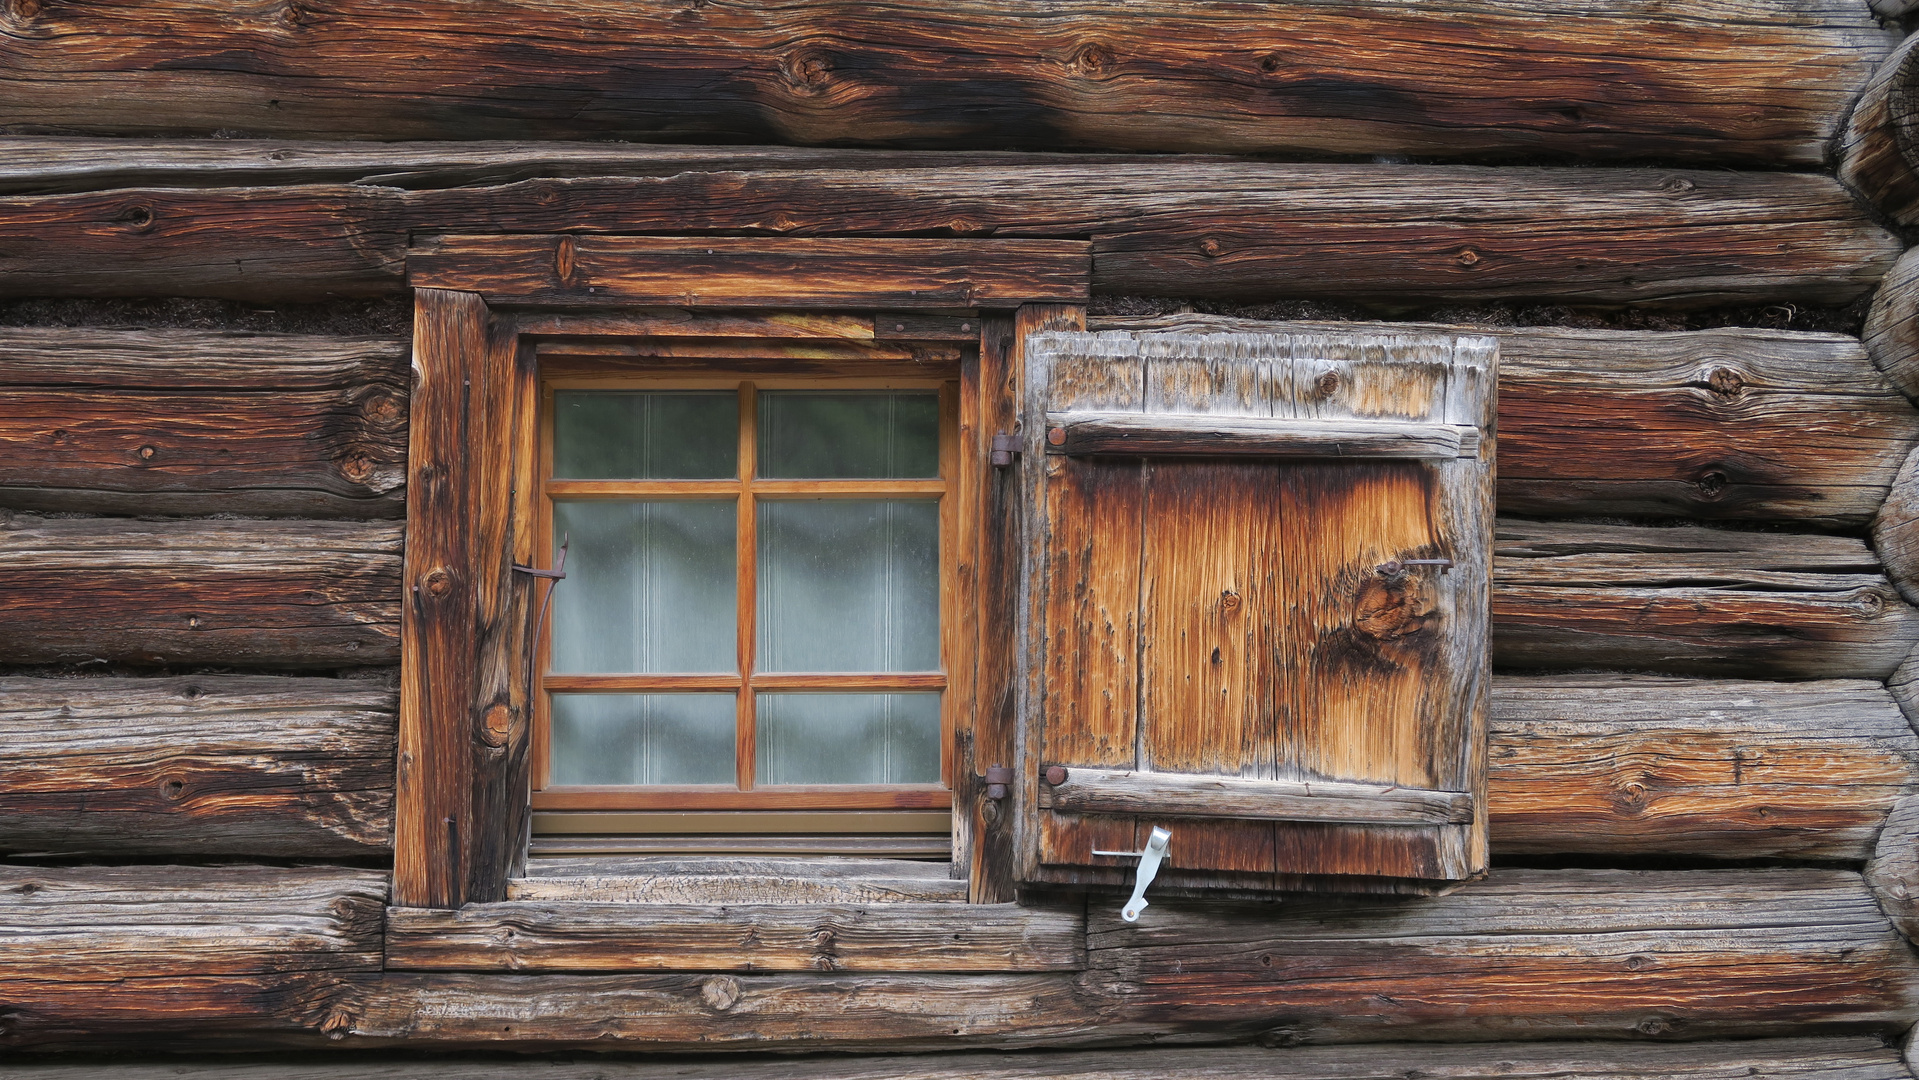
x=1149, y=861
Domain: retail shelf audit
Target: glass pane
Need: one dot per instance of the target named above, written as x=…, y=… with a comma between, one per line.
x=848, y=739
x=643, y=739
x=624, y=435
x=649, y=587
x=809, y=435
x=849, y=585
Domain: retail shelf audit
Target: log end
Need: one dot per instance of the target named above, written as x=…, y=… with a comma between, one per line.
x=1876, y=159
x=1895, y=530
x=1893, y=873
x=1891, y=334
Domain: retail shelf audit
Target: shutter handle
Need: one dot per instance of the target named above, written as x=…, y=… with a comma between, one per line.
x=1149, y=861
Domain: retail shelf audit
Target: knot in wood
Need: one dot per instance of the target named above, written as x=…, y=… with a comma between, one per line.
x=1467, y=257
x=193, y=622
x=293, y=15
x=1229, y=600
x=1271, y=63
x=357, y=467
x=138, y=217
x=438, y=582
x=807, y=70
x=563, y=259
x=1327, y=384
x=24, y=9
x=720, y=993
x=1211, y=247
x=1388, y=608
x=1677, y=185
x=146, y=453
x=1711, y=484
x=498, y=726
x=1726, y=382
x=1091, y=59
x=173, y=788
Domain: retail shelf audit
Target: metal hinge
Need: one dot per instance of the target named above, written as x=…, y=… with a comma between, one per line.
x=997, y=777
x=1005, y=449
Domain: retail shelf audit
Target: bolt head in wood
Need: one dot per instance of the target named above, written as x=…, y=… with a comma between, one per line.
x=1056, y=436
x=1056, y=775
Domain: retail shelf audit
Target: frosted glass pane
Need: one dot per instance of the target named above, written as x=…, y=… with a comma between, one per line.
x=848, y=739
x=643, y=739
x=626, y=435
x=649, y=587
x=849, y=585
x=809, y=435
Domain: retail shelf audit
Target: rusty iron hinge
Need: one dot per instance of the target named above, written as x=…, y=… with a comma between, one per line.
x=997, y=777
x=1398, y=566
x=1005, y=449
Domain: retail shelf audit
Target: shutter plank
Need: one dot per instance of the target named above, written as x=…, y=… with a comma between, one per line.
x=1101, y=791
x=1171, y=434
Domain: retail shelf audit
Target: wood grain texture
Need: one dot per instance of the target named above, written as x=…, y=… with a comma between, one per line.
x=1852, y=1058
x=1098, y=791
x=756, y=272
x=1874, y=155
x=1891, y=333
x=96, y=924
x=1618, y=954
x=1629, y=79
x=202, y=765
x=556, y=936
x=1893, y=873
x=1173, y=435
x=1247, y=230
x=1711, y=424
x=1895, y=530
x=172, y=1012
x=174, y=421
x=305, y=594
x=724, y=880
x=1694, y=600
x=1634, y=764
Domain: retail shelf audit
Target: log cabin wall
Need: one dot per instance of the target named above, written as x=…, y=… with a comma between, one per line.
x=1687, y=224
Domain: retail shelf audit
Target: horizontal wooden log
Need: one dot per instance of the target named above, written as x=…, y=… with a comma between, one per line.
x=520, y=935
x=1156, y=434
x=171, y=1012
x=1893, y=873
x=323, y=594
x=1602, y=953
x=1872, y=151
x=1105, y=791
x=94, y=924
x=1248, y=230
x=1694, y=600
x=1626, y=79
x=203, y=765
x=252, y=593
x=1716, y=424
x=1845, y=1058
x=1632, y=765
x=734, y=272
x=727, y=880
x=172, y=421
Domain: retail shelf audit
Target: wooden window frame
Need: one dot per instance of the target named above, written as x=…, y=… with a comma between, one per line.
x=749, y=489
x=462, y=807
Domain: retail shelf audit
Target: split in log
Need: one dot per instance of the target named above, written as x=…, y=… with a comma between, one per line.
x=324, y=594
x=1876, y=153
x=1744, y=424
x=1851, y=1058
x=205, y=765
x=98, y=924
x=1893, y=873
x=729, y=880
x=592, y=936
x=190, y=422
x=1630, y=79
x=314, y=594
x=1625, y=954
x=1245, y=230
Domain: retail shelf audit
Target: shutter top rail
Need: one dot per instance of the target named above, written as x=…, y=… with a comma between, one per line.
x=1106, y=791
x=1156, y=434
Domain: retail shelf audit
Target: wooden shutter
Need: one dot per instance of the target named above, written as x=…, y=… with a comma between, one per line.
x=1229, y=631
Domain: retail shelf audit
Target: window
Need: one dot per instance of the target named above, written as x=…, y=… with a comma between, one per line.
x=753, y=612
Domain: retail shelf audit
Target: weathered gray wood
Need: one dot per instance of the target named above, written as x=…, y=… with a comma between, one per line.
x=1891, y=333
x=1873, y=157
x=1106, y=791
x=251, y=593
x=1848, y=1058
x=592, y=936
x=1893, y=873
x=1176, y=434
x=96, y=924
x=1749, y=424
x=176, y=421
x=1895, y=531
x=718, y=880
x=1247, y=230
x=1694, y=600
x=1636, y=765
x=201, y=765
x=1613, y=953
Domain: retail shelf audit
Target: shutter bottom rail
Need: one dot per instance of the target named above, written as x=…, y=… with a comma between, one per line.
x=1104, y=791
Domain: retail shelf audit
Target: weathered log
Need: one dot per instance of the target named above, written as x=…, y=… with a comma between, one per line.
x=1172, y=434
x=1874, y=159
x=524, y=935
x=170, y=1012
x=1895, y=530
x=1110, y=791
x=252, y=593
x=1628, y=78
x=206, y=765
x=1195, y=228
x=95, y=924
x=1694, y=600
x=318, y=594
x=728, y=880
x=1745, y=424
x=1640, y=765
x=1607, y=953
x=191, y=422
x=1766, y=1059
x=1891, y=333
x=1893, y=873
